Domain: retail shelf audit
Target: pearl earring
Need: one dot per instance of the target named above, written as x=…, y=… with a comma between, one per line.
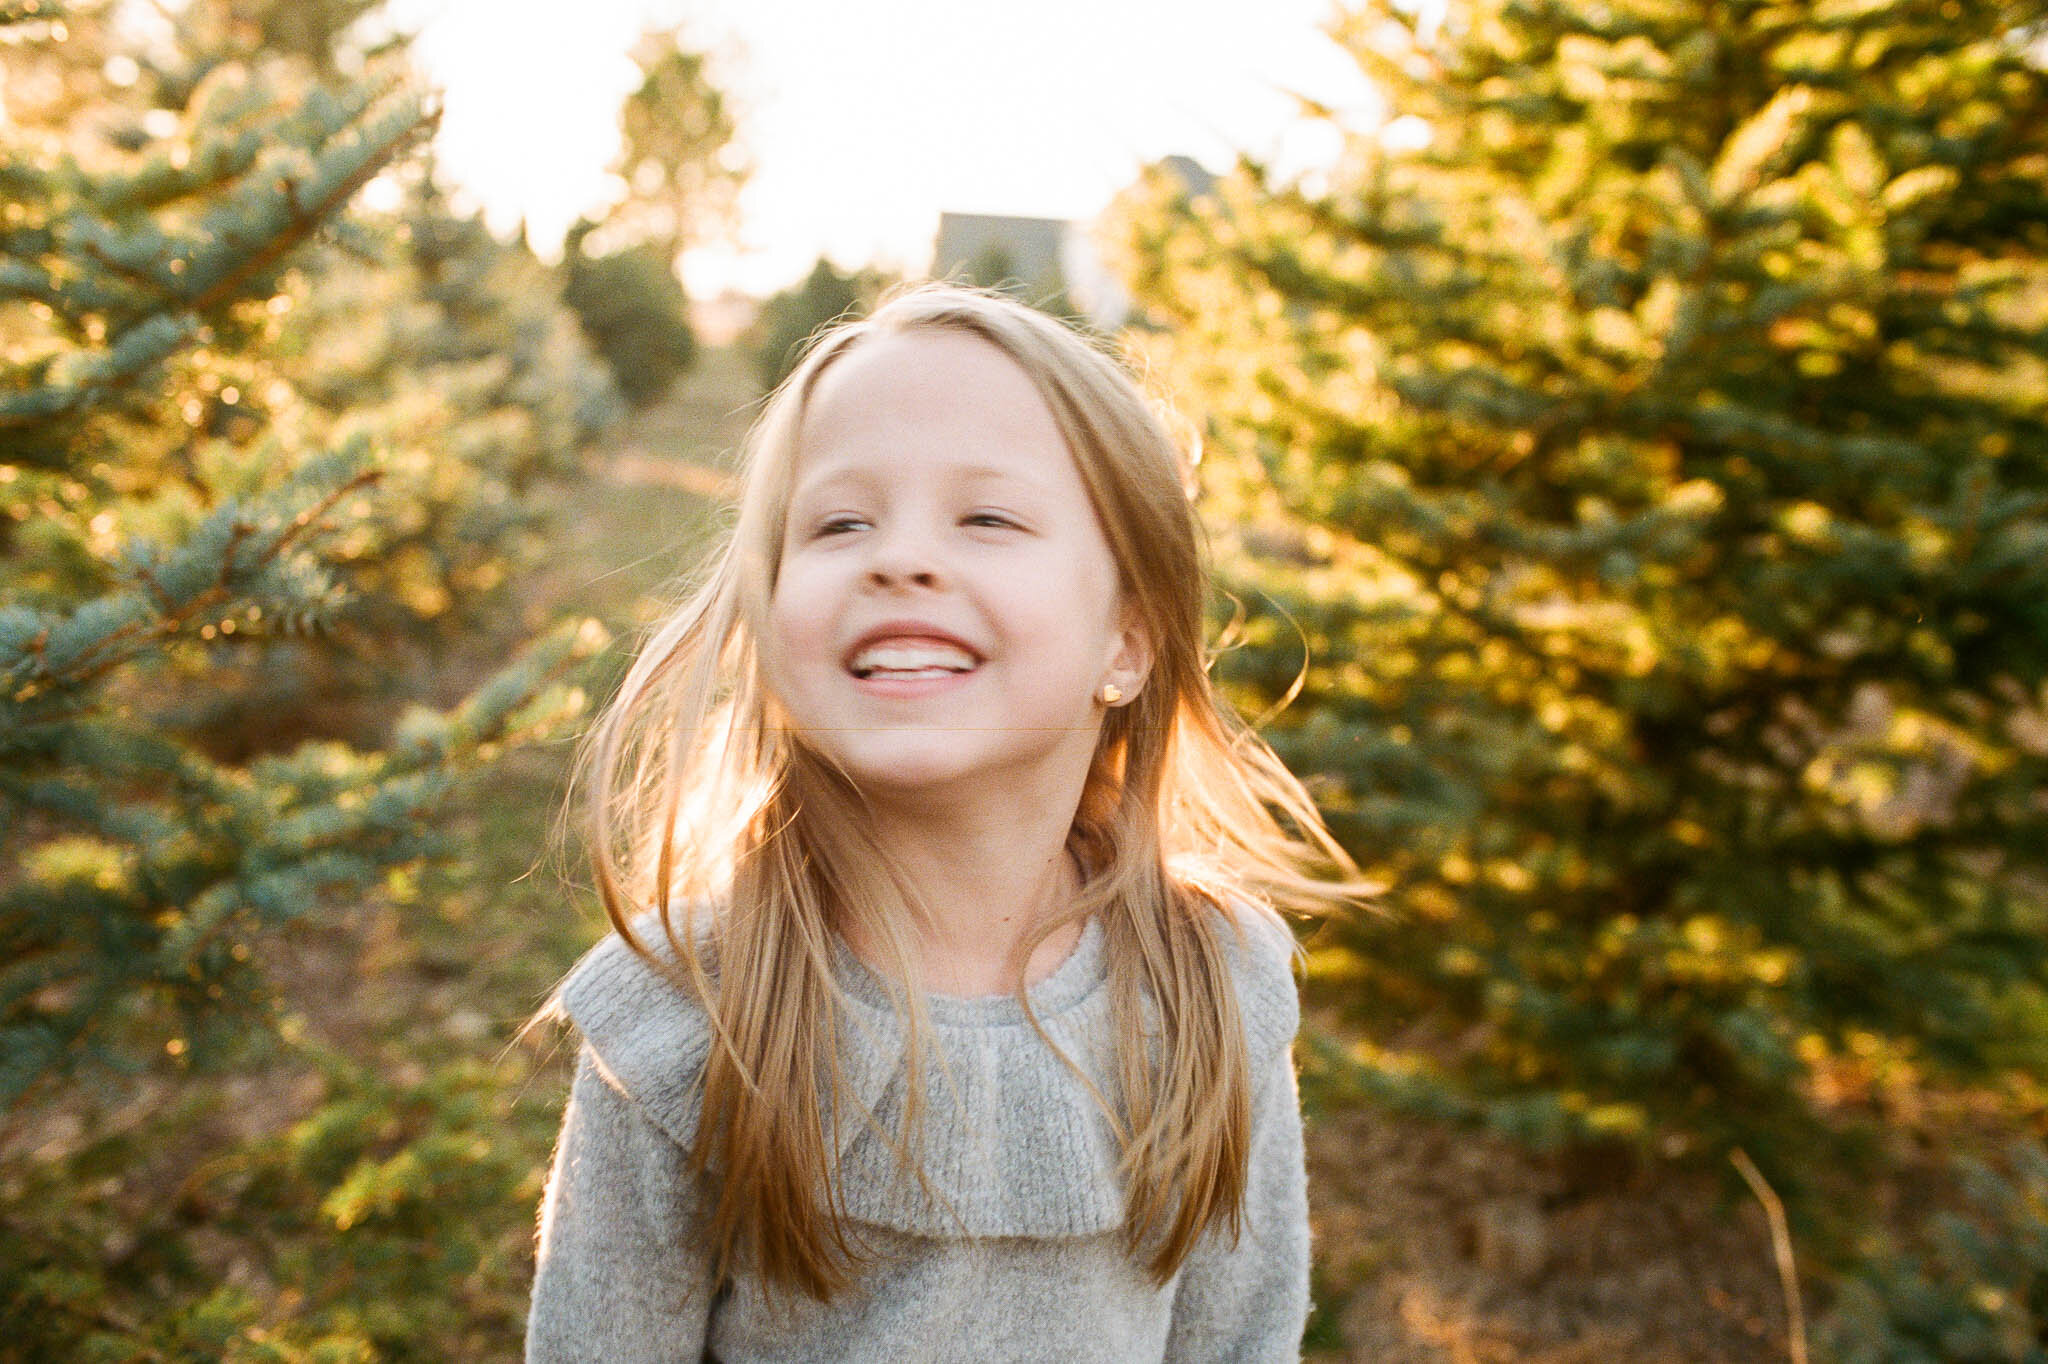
x=1111, y=693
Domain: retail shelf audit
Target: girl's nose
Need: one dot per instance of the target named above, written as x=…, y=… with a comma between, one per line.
x=895, y=574
x=902, y=560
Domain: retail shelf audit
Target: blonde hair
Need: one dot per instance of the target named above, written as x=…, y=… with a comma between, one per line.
x=699, y=803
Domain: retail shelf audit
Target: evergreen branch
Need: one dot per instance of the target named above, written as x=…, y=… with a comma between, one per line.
x=426, y=739
x=163, y=285
x=319, y=819
x=161, y=181
x=1728, y=424
x=42, y=657
x=138, y=350
x=21, y=279
x=305, y=219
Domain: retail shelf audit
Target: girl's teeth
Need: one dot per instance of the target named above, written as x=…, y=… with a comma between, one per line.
x=912, y=660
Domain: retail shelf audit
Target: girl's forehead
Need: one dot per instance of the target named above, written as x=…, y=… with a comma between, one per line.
x=928, y=373
x=926, y=396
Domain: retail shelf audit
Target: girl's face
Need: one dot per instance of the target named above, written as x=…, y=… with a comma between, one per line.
x=946, y=607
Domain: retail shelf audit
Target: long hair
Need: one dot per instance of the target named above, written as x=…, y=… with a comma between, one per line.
x=699, y=803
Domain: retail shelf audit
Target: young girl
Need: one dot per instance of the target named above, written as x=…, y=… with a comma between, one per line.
x=948, y=1015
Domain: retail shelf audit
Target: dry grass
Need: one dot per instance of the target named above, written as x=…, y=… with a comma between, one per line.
x=1434, y=1244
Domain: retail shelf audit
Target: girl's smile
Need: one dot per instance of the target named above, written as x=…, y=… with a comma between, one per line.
x=899, y=650
x=945, y=606
x=906, y=660
x=910, y=658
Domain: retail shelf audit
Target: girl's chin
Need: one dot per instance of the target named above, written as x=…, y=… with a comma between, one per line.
x=946, y=784
x=913, y=775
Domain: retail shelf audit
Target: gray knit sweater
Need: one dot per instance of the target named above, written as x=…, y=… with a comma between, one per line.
x=1021, y=1261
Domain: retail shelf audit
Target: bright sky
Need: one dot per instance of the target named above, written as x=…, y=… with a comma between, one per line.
x=864, y=119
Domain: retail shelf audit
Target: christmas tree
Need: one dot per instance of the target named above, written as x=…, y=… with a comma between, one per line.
x=223, y=489
x=1634, y=453
x=167, y=512
x=788, y=320
x=679, y=172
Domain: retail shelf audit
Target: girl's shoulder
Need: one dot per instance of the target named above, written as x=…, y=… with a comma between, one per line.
x=650, y=1036
x=647, y=1032
x=1262, y=953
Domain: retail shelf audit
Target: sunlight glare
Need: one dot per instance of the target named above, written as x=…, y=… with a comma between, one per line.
x=865, y=122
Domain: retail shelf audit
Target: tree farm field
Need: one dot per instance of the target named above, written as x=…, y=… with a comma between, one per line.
x=390, y=1142
x=403, y=1077
x=1637, y=489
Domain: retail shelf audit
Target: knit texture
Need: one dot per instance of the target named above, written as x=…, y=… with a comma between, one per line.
x=1012, y=1252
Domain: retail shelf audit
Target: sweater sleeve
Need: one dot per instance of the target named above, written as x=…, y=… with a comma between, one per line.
x=1247, y=1303
x=619, y=1277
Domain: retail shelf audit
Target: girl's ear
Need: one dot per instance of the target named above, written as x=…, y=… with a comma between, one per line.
x=1130, y=661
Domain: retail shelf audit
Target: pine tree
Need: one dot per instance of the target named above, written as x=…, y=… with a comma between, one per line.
x=633, y=309
x=788, y=320
x=1649, y=457
x=259, y=454
x=680, y=172
x=153, y=534
x=679, y=155
x=451, y=352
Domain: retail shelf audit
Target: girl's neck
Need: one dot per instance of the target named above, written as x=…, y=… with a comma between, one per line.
x=989, y=886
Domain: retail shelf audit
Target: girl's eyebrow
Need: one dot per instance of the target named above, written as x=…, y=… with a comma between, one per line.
x=983, y=473
x=826, y=482
x=865, y=479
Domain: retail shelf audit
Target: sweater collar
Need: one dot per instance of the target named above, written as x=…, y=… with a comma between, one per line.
x=1013, y=1142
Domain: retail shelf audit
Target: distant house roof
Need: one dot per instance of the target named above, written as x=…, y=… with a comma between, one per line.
x=1046, y=258
x=976, y=245
x=1193, y=176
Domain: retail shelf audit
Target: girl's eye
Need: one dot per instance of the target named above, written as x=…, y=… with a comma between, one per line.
x=986, y=518
x=839, y=525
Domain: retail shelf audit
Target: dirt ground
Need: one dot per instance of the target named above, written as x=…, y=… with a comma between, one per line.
x=1441, y=1245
